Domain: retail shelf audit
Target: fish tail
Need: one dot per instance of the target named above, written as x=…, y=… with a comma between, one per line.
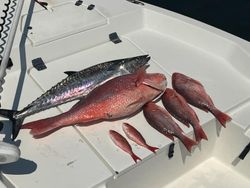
x=221, y=117
x=135, y=157
x=16, y=123
x=199, y=133
x=188, y=143
x=151, y=148
x=43, y=127
x=7, y=113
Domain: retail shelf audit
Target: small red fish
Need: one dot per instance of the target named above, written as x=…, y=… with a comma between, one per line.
x=122, y=143
x=162, y=121
x=195, y=94
x=134, y=135
x=118, y=98
x=178, y=107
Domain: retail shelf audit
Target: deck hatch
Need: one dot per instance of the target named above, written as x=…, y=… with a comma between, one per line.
x=64, y=20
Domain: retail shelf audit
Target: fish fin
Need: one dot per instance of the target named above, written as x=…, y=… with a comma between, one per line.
x=141, y=79
x=199, y=133
x=151, y=84
x=7, y=113
x=210, y=100
x=151, y=148
x=188, y=143
x=197, y=118
x=135, y=157
x=69, y=73
x=186, y=124
x=140, y=76
x=170, y=136
x=205, y=110
x=221, y=117
x=43, y=127
x=16, y=123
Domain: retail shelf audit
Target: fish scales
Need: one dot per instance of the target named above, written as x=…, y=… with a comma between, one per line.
x=76, y=86
x=79, y=84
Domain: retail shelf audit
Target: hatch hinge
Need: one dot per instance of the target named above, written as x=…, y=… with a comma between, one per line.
x=114, y=38
x=171, y=151
x=136, y=2
x=39, y=64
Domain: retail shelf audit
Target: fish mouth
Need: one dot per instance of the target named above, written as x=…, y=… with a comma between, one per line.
x=178, y=78
x=163, y=84
x=175, y=75
x=133, y=64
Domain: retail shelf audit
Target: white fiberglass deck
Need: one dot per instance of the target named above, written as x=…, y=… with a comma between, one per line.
x=85, y=156
x=211, y=173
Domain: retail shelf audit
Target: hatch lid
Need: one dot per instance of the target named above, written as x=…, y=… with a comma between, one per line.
x=64, y=20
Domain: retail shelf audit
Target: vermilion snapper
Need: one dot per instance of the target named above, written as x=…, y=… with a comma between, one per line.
x=177, y=106
x=162, y=121
x=122, y=143
x=134, y=135
x=117, y=98
x=195, y=94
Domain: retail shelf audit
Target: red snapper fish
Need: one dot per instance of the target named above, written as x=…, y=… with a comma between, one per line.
x=178, y=107
x=134, y=135
x=122, y=143
x=195, y=94
x=162, y=121
x=117, y=98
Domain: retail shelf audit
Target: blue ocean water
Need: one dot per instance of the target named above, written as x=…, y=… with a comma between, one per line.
x=229, y=15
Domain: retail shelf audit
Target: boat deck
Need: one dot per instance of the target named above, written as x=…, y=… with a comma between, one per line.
x=85, y=156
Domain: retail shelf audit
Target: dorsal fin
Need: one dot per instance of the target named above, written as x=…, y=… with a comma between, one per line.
x=69, y=73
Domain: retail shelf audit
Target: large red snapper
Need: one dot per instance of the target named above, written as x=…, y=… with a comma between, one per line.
x=117, y=98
